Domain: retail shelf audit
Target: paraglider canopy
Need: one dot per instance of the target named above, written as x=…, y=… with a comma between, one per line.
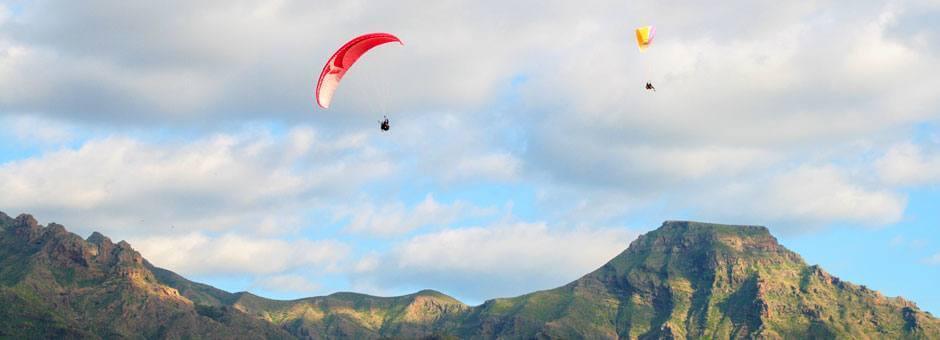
x=343, y=59
x=644, y=37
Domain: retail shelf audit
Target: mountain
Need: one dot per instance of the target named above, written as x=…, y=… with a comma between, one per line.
x=697, y=280
x=54, y=284
x=683, y=280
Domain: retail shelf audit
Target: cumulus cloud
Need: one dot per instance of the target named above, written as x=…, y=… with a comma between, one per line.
x=502, y=259
x=500, y=166
x=732, y=104
x=907, y=164
x=639, y=167
x=394, y=218
x=806, y=197
x=725, y=84
x=236, y=254
x=747, y=110
x=456, y=148
x=36, y=131
x=124, y=185
x=220, y=59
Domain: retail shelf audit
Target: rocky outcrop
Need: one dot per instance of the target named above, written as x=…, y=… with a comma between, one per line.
x=54, y=284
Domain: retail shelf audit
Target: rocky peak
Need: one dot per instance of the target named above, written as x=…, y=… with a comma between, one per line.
x=26, y=229
x=692, y=229
x=706, y=255
x=702, y=227
x=55, y=229
x=98, y=239
x=88, y=259
x=437, y=297
x=429, y=306
x=26, y=221
x=128, y=256
x=683, y=236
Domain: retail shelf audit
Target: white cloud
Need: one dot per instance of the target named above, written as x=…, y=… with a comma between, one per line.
x=737, y=97
x=4, y=14
x=807, y=197
x=31, y=130
x=480, y=92
x=367, y=263
x=124, y=185
x=643, y=167
x=221, y=58
x=394, y=218
x=454, y=148
x=733, y=106
x=236, y=254
x=498, y=260
x=498, y=166
x=722, y=80
x=906, y=164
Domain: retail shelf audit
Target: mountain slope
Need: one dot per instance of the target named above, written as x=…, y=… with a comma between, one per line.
x=694, y=280
x=359, y=316
x=53, y=284
x=683, y=280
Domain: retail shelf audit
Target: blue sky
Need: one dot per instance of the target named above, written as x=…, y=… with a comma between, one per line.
x=523, y=153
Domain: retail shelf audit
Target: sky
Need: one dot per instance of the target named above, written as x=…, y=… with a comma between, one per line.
x=524, y=151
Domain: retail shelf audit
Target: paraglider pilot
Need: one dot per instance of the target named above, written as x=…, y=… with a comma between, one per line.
x=384, y=125
x=649, y=86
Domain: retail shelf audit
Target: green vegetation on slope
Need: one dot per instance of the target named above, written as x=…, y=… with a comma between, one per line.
x=697, y=280
x=56, y=285
x=683, y=280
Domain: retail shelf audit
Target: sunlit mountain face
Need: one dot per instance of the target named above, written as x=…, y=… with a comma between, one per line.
x=682, y=280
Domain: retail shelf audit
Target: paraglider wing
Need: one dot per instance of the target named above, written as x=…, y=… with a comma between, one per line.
x=343, y=59
x=644, y=37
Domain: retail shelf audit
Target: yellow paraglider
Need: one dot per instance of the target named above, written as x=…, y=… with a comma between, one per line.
x=644, y=37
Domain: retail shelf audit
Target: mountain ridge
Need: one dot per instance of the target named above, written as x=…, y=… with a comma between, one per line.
x=683, y=280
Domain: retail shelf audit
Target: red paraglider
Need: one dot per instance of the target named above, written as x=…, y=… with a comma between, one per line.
x=343, y=59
